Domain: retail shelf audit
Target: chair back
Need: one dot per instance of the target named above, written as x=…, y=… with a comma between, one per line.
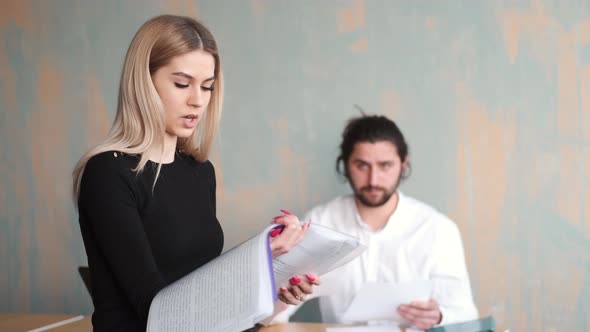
x=84, y=272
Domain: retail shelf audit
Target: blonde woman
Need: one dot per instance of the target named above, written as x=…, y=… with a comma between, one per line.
x=146, y=195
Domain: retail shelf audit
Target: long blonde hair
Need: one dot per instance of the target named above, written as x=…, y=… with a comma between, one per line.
x=140, y=123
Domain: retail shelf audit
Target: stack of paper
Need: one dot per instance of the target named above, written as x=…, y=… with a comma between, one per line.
x=238, y=289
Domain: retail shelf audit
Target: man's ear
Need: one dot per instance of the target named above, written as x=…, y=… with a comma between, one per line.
x=406, y=168
x=345, y=170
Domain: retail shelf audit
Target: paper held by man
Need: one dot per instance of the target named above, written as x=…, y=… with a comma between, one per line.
x=379, y=301
x=238, y=288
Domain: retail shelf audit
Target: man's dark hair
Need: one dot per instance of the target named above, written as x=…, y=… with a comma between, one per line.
x=370, y=128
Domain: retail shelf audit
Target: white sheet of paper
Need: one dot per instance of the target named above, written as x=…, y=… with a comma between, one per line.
x=368, y=329
x=379, y=301
x=320, y=251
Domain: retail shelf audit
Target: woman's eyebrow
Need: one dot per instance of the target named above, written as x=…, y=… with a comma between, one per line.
x=185, y=75
x=181, y=74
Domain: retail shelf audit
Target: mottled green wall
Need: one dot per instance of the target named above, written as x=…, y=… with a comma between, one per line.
x=494, y=97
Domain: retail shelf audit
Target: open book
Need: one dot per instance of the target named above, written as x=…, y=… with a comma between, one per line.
x=238, y=289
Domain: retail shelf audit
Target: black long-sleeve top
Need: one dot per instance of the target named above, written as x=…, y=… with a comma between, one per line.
x=139, y=240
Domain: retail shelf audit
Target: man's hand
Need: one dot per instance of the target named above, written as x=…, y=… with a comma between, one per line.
x=423, y=314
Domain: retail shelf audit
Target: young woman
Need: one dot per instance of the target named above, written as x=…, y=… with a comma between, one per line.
x=146, y=195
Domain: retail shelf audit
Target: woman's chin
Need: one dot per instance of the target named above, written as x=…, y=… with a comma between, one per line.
x=184, y=133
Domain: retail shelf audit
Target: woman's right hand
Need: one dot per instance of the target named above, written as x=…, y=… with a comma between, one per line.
x=293, y=232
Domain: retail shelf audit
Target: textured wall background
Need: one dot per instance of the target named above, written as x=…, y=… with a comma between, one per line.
x=493, y=96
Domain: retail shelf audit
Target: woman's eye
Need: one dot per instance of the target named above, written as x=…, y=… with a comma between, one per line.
x=207, y=88
x=181, y=86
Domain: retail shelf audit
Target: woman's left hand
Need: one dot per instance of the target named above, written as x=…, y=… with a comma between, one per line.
x=300, y=288
x=292, y=233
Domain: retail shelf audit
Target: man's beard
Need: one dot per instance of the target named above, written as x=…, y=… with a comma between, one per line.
x=370, y=202
x=366, y=201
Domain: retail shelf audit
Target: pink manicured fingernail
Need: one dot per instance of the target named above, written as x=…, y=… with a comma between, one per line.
x=283, y=290
x=287, y=212
x=295, y=280
x=275, y=232
x=310, y=277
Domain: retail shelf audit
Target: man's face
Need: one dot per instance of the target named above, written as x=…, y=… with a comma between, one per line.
x=374, y=172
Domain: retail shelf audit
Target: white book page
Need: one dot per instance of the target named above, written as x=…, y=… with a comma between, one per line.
x=222, y=295
x=321, y=250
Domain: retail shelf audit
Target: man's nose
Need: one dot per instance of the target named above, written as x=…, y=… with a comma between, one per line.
x=373, y=176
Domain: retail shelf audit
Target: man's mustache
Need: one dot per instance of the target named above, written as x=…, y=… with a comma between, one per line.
x=367, y=188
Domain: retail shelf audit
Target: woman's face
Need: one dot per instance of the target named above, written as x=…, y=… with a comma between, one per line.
x=185, y=86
